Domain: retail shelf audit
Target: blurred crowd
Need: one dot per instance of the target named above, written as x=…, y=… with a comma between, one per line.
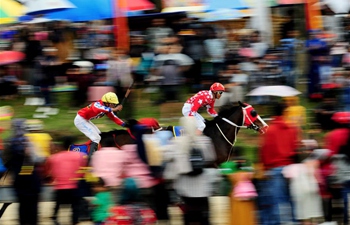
x=172, y=54
x=292, y=181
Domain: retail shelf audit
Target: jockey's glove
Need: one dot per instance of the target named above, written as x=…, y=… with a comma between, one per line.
x=125, y=124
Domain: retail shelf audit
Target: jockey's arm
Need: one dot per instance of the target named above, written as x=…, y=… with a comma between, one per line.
x=195, y=106
x=211, y=110
x=115, y=119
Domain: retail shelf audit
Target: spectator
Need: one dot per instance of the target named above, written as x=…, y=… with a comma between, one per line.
x=136, y=168
x=170, y=65
x=304, y=179
x=288, y=26
x=137, y=46
x=278, y=149
x=49, y=69
x=193, y=189
x=108, y=163
x=243, y=193
x=235, y=86
x=21, y=159
x=258, y=46
x=41, y=140
x=325, y=111
x=81, y=73
x=156, y=32
x=119, y=75
x=295, y=113
x=215, y=48
x=32, y=50
x=316, y=47
x=63, y=168
x=102, y=202
x=333, y=141
x=131, y=209
x=8, y=84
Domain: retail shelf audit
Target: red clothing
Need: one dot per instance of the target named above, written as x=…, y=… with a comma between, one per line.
x=279, y=144
x=333, y=141
x=1, y=143
x=97, y=110
x=131, y=214
x=63, y=168
x=202, y=98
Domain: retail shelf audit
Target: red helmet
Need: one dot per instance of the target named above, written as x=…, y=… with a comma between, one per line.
x=217, y=87
x=150, y=123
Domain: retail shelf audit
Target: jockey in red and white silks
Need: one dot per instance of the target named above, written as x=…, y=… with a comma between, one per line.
x=201, y=99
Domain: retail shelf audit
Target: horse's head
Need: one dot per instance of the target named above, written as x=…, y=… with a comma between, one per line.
x=251, y=119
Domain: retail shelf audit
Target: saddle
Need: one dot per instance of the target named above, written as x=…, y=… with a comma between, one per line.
x=177, y=131
x=84, y=148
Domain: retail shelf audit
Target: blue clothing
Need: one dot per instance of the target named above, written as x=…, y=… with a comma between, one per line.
x=274, y=199
x=319, y=43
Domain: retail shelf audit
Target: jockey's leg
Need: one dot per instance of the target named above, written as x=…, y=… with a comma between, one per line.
x=90, y=130
x=200, y=123
x=200, y=120
x=93, y=148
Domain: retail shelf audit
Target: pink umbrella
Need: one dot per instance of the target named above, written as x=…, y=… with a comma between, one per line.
x=137, y=5
x=8, y=57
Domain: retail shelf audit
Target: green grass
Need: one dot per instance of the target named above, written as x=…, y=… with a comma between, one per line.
x=62, y=124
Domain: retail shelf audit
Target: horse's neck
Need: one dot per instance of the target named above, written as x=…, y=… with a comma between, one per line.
x=238, y=120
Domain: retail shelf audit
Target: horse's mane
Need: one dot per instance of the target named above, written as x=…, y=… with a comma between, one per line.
x=225, y=111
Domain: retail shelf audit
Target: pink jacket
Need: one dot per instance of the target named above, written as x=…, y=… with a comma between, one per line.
x=108, y=164
x=63, y=168
x=134, y=167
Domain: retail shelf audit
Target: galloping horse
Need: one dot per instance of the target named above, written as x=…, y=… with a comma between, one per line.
x=222, y=130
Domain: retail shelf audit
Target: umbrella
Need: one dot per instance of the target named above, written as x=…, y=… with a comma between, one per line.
x=102, y=9
x=274, y=90
x=8, y=57
x=39, y=20
x=221, y=14
x=44, y=6
x=9, y=11
x=137, y=5
x=338, y=6
x=221, y=4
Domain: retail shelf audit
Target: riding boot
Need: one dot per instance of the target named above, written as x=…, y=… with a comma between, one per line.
x=93, y=148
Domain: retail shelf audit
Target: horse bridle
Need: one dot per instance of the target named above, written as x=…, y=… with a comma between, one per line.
x=251, y=126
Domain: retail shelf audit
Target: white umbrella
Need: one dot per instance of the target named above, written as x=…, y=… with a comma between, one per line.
x=221, y=14
x=44, y=6
x=39, y=20
x=274, y=90
x=338, y=6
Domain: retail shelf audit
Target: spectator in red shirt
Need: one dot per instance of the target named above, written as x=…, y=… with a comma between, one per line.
x=334, y=141
x=63, y=168
x=203, y=98
x=277, y=150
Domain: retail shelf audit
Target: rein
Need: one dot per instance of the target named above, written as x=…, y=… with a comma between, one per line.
x=236, y=130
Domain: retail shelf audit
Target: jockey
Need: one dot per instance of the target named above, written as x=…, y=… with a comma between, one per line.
x=203, y=98
x=108, y=104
